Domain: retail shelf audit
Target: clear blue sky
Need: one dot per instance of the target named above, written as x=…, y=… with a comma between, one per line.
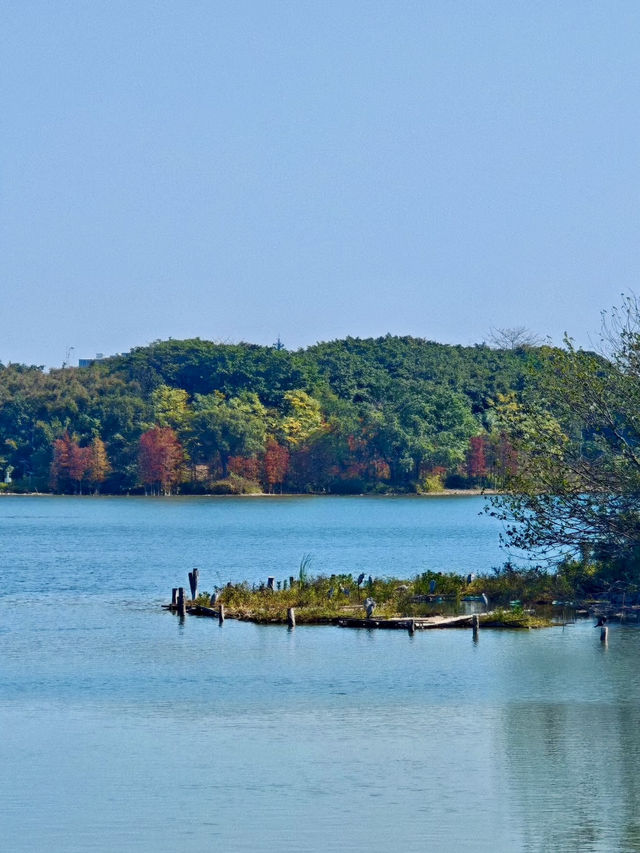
x=245, y=169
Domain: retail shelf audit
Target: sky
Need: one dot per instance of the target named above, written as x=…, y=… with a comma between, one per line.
x=245, y=170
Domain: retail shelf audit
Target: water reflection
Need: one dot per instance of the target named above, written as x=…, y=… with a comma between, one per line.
x=572, y=763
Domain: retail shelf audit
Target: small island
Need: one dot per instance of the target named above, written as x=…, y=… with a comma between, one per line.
x=507, y=598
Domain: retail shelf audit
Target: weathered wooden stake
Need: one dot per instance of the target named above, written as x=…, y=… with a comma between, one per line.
x=270, y=582
x=475, y=624
x=412, y=626
x=604, y=634
x=292, y=580
x=182, y=603
x=221, y=614
x=193, y=583
x=291, y=617
x=214, y=599
x=174, y=596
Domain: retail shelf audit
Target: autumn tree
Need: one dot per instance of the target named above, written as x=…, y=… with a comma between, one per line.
x=276, y=464
x=245, y=466
x=70, y=464
x=160, y=460
x=61, y=461
x=303, y=418
x=476, y=461
x=100, y=466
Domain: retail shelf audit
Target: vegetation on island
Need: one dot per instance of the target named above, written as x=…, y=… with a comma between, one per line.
x=392, y=414
x=322, y=600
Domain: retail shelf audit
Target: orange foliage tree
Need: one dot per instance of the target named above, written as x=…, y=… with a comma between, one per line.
x=100, y=466
x=476, y=460
x=70, y=464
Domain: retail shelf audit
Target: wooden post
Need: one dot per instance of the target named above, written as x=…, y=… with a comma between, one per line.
x=475, y=624
x=193, y=583
x=412, y=627
x=221, y=614
x=214, y=599
x=291, y=617
x=292, y=580
x=270, y=581
x=182, y=603
x=604, y=634
x=174, y=596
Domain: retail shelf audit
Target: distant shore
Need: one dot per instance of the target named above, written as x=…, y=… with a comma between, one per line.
x=442, y=493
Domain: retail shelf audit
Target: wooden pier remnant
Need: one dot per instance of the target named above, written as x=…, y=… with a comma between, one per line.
x=182, y=602
x=291, y=617
x=270, y=582
x=220, y=614
x=475, y=625
x=193, y=583
x=174, y=596
x=420, y=623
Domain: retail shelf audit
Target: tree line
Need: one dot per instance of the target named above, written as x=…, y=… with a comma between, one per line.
x=391, y=414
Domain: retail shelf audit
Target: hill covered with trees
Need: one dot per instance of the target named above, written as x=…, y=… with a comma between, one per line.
x=392, y=414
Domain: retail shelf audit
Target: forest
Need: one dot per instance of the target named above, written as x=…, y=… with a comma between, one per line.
x=384, y=415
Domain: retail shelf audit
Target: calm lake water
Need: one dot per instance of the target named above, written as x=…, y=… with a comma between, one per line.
x=124, y=730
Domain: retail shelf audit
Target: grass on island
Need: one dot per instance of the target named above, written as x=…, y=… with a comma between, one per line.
x=319, y=600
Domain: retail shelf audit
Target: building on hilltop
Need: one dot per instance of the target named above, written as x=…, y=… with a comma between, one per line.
x=87, y=362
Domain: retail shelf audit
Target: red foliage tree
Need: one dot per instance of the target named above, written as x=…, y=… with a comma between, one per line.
x=506, y=457
x=476, y=461
x=59, y=470
x=160, y=460
x=244, y=466
x=70, y=464
x=276, y=464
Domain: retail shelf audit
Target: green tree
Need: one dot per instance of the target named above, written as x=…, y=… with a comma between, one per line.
x=226, y=428
x=170, y=407
x=576, y=484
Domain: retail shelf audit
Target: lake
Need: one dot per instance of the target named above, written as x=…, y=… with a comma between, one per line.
x=123, y=729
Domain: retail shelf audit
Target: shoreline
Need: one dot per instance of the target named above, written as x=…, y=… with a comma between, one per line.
x=443, y=493
x=497, y=618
